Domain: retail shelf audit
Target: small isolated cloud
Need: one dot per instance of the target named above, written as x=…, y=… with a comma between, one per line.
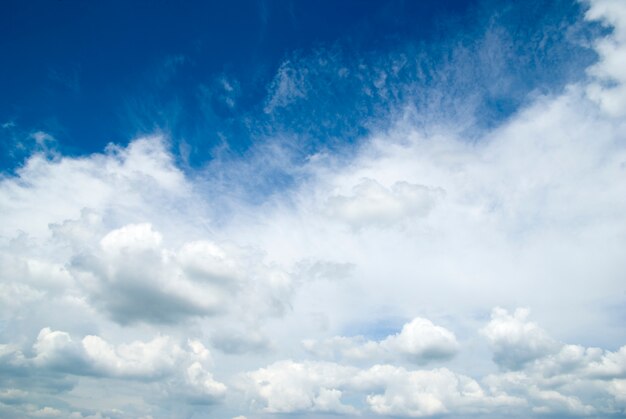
x=420, y=341
x=372, y=204
x=289, y=85
x=44, y=142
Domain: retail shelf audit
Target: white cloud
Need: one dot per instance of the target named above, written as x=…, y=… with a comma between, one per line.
x=554, y=378
x=124, y=182
x=516, y=341
x=428, y=393
x=288, y=85
x=419, y=341
x=372, y=204
x=567, y=380
x=136, y=278
x=183, y=370
x=287, y=386
x=609, y=87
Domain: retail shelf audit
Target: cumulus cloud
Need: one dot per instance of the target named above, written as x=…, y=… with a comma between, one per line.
x=132, y=274
x=288, y=386
x=124, y=181
x=553, y=377
x=135, y=279
x=566, y=380
x=516, y=341
x=420, y=341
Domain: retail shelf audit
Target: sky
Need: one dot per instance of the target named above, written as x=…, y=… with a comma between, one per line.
x=289, y=209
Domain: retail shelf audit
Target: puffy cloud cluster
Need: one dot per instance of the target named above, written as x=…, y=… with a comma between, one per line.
x=558, y=379
x=153, y=360
x=553, y=377
x=124, y=244
x=181, y=372
x=386, y=390
x=77, y=240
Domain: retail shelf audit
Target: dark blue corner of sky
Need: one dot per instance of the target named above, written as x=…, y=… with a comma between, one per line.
x=92, y=72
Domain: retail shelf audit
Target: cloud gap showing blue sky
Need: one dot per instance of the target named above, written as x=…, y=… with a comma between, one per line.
x=284, y=209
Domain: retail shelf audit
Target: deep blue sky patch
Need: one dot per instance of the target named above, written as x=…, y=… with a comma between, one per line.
x=89, y=73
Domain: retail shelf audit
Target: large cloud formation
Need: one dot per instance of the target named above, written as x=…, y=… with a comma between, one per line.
x=373, y=286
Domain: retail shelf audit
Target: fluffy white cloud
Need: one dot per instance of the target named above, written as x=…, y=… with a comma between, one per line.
x=419, y=341
x=124, y=182
x=553, y=377
x=136, y=278
x=184, y=369
x=564, y=380
x=288, y=386
x=516, y=341
x=428, y=393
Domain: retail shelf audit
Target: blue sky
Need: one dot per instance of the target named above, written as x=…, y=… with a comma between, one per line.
x=90, y=74
x=276, y=209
